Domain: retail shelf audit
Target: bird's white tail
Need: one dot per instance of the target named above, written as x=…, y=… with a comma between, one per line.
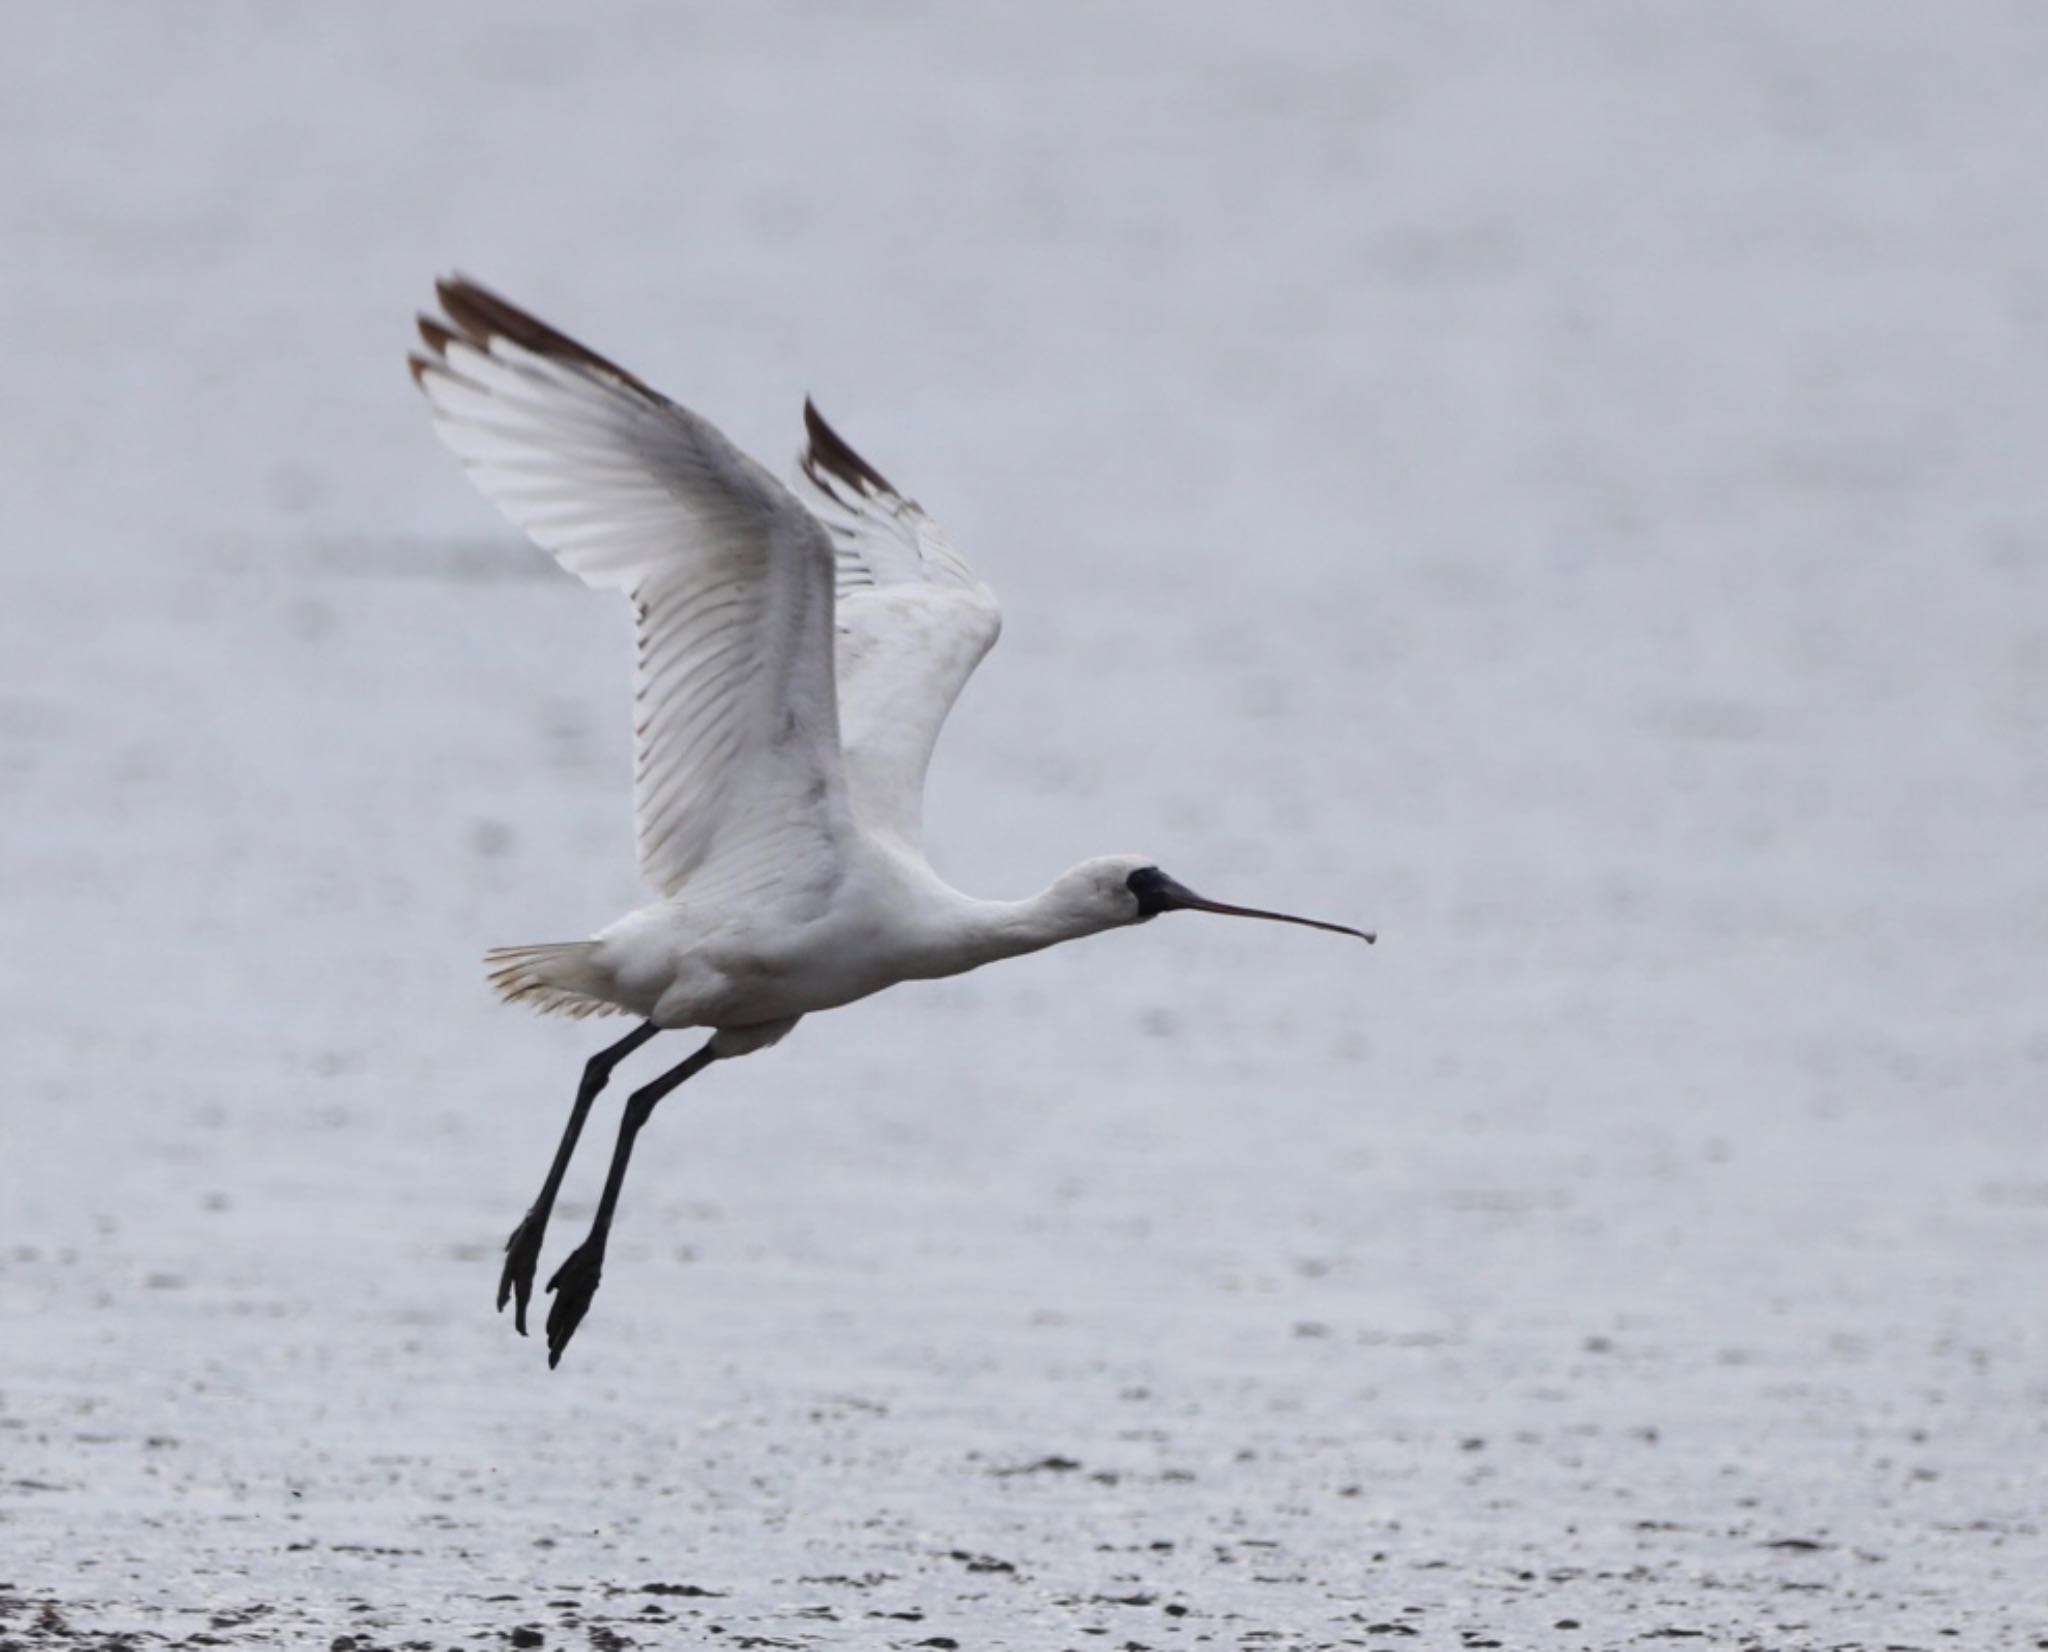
x=562, y=979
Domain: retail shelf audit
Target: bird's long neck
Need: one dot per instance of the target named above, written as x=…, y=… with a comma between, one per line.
x=1009, y=929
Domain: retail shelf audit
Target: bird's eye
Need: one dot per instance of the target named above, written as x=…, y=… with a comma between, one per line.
x=1149, y=885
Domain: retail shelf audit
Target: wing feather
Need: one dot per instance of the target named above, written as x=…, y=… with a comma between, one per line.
x=737, y=767
x=914, y=620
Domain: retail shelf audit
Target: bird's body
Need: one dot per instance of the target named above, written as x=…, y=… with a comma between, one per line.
x=871, y=917
x=796, y=659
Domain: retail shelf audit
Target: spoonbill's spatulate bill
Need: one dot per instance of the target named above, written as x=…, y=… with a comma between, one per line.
x=795, y=661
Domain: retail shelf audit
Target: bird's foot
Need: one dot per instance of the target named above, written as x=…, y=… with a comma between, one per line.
x=574, y=1284
x=522, y=1260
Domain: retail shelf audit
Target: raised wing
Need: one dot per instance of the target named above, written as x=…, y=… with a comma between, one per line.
x=914, y=620
x=738, y=766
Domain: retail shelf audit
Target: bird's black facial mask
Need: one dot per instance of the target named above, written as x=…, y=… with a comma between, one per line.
x=1158, y=893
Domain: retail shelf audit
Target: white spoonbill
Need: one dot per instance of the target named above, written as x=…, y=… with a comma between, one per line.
x=795, y=662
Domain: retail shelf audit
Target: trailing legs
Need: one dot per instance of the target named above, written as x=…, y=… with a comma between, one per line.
x=522, y=1250
x=576, y=1280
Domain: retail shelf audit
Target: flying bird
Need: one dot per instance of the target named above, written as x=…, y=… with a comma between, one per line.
x=796, y=658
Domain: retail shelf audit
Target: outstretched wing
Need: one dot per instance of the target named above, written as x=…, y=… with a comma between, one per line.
x=914, y=620
x=738, y=766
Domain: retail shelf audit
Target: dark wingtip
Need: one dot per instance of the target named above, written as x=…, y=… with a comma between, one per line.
x=436, y=339
x=480, y=315
x=828, y=451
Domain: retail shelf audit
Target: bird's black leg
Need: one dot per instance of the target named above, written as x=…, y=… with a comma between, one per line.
x=575, y=1281
x=522, y=1250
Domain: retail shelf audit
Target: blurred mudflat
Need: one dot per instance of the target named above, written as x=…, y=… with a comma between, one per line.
x=1561, y=488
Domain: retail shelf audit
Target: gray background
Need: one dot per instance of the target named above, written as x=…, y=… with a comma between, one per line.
x=1561, y=484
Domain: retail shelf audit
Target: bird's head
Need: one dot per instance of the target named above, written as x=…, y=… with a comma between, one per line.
x=1129, y=889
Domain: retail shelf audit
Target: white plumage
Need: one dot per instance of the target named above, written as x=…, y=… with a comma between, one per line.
x=795, y=662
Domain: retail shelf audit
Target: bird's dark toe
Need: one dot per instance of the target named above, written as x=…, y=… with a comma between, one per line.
x=574, y=1284
x=522, y=1261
